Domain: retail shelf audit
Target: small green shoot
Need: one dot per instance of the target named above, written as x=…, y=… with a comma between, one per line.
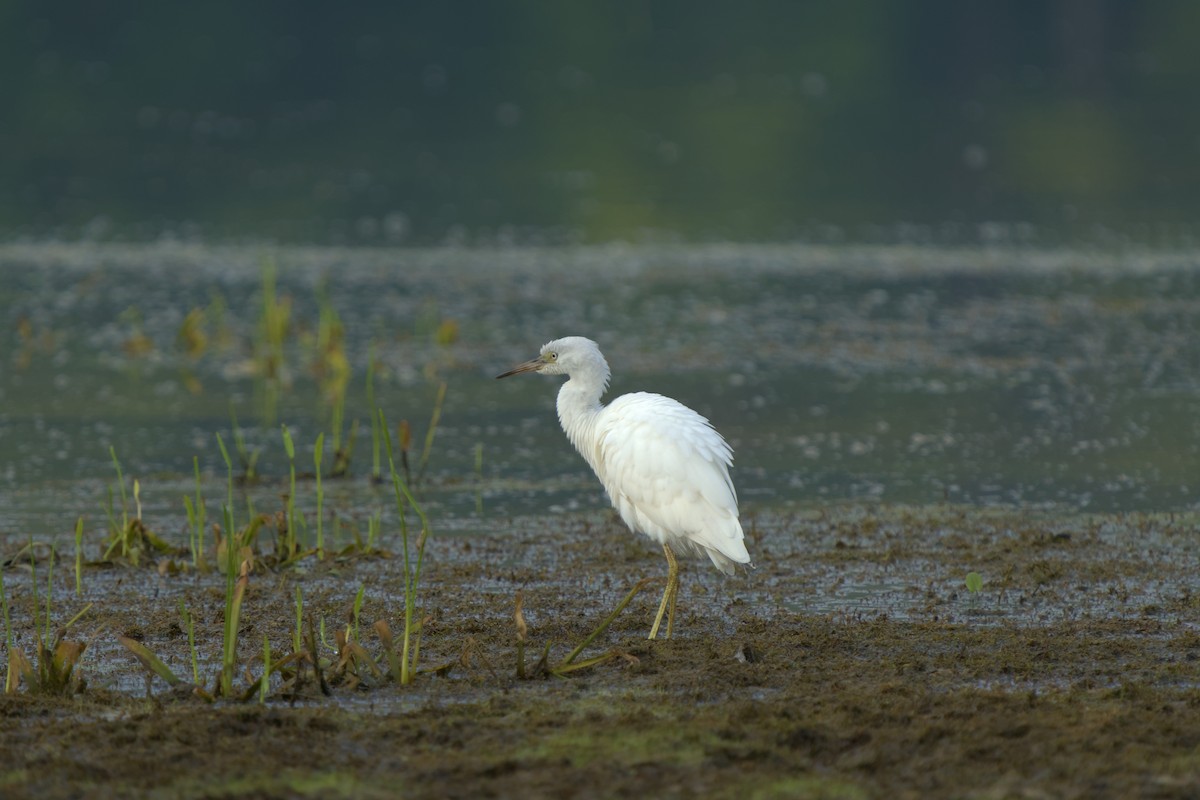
x=352, y=657
x=33, y=587
x=318, y=453
x=373, y=525
x=241, y=543
x=273, y=325
x=121, y=482
x=337, y=420
x=200, y=512
x=376, y=475
x=974, y=582
x=190, y=509
x=131, y=539
x=265, y=681
x=190, y=626
x=235, y=593
x=290, y=544
x=404, y=431
x=331, y=365
x=433, y=424
x=412, y=573
x=343, y=454
x=149, y=660
x=79, y=557
x=12, y=675
x=249, y=459
x=325, y=641
x=49, y=584
x=229, y=472
x=358, y=602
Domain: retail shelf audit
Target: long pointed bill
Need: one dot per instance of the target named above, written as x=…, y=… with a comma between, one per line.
x=529, y=366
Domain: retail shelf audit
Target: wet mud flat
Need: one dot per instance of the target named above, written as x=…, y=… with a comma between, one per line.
x=852, y=662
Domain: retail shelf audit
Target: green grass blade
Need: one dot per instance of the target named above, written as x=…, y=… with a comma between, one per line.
x=358, y=602
x=229, y=472
x=33, y=586
x=265, y=681
x=11, y=674
x=642, y=584
x=318, y=453
x=149, y=660
x=232, y=620
x=429, y=434
x=79, y=557
x=112, y=451
x=375, y=470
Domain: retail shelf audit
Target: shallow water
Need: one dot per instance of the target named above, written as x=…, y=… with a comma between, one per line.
x=891, y=374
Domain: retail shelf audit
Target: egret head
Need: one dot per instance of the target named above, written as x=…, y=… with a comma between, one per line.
x=570, y=355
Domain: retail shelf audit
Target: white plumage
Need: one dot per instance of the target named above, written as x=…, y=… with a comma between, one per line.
x=664, y=467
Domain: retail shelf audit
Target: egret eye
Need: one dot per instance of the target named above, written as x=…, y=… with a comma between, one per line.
x=552, y=356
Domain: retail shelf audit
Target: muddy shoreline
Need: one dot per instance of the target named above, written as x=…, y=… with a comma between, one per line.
x=852, y=662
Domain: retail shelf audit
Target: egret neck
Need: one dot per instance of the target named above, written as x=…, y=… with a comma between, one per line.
x=579, y=404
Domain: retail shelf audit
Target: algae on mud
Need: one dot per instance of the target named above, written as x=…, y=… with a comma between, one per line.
x=831, y=729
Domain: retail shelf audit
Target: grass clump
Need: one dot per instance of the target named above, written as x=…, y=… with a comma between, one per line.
x=236, y=564
x=413, y=559
x=51, y=671
x=129, y=540
x=235, y=593
x=197, y=515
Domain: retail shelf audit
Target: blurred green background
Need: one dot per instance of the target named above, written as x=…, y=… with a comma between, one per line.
x=488, y=123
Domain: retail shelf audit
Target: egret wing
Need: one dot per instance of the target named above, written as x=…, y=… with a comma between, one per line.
x=667, y=472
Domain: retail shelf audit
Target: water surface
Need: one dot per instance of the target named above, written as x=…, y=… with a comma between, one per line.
x=893, y=374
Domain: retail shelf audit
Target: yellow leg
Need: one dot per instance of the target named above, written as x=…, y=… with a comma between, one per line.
x=673, y=582
x=667, y=606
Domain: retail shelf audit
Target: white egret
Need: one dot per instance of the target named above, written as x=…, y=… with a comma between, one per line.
x=665, y=468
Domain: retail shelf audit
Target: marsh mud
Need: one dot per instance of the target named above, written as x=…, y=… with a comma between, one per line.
x=903, y=417
x=852, y=662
